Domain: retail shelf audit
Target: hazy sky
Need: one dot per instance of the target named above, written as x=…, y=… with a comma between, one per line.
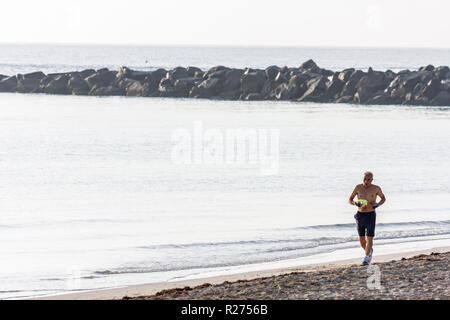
x=396, y=23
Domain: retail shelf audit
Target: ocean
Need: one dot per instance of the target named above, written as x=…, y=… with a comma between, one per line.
x=93, y=196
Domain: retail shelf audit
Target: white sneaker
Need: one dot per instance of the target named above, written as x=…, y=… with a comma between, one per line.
x=366, y=261
x=370, y=255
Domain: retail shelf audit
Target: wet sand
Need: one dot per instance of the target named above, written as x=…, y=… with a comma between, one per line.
x=412, y=275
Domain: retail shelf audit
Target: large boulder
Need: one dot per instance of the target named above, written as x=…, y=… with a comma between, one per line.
x=134, y=88
x=272, y=72
x=369, y=85
x=215, y=72
x=344, y=99
x=380, y=98
x=232, y=80
x=124, y=72
x=441, y=99
x=77, y=85
x=86, y=73
x=344, y=75
x=432, y=88
x=28, y=85
x=316, y=91
x=208, y=88
x=58, y=85
x=194, y=72
x=310, y=65
x=38, y=75
x=110, y=90
x=140, y=75
x=442, y=72
x=8, y=84
x=335, y=87
x=251, y=96
x=101, y=78
x=183, y=86
x=177, y=73
x=350, y=86
x=252, y=82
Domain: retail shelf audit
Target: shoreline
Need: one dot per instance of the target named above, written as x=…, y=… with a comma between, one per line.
x=426, y=86
x=146, y=290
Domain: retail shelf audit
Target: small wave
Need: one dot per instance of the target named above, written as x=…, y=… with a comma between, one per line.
x=427, y=228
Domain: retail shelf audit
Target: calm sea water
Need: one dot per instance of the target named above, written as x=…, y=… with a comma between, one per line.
x=50, y=58
x=90, y=196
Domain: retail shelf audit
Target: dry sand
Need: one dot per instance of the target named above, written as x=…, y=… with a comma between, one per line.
x=411, y=275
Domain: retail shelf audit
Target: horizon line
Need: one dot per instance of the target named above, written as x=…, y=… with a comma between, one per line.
x=216, y=45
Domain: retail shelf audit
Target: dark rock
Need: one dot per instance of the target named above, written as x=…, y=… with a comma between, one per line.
x=281, y=78
x=159, y=74
x=427, y=68
x=199, y=74
x=102, y=70
x=86, y=73
x=194, y=72
x=316, y=91
x=124, y=83
x=252, y=96
x=344, y=99
x=8, y=84
x=432, y=88
x=350, y=85
x=101, y=79
x=207, y=88
x=184, y=85
x=442, y=72
x=380, y=98
x=272, y=72
x=33, y=75
x=232, y=80
x=177, y=73
x=135, y=89
x=369, y=85
x=441, y=99
x=285, y=92
x=230, y=95
x=252, y=82
x=344, y=75
x=217, y=72
x=2, y=76
x=309, y=65
x=139, y=75
x=77, y=85
x=124, y=72
x=326, y=73
x=106, y=91
x=28, y=85
x=166, y=88
x=58, y=85
x=334, y=87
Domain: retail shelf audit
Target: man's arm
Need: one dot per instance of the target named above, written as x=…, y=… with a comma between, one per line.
x=382, y=197
x=352, y=196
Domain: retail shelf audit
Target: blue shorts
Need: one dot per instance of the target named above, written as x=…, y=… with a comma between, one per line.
x=365, y=223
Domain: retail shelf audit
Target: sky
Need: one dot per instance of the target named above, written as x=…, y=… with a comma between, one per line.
x=361, y=23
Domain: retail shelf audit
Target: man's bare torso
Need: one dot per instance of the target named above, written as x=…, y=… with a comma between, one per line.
x=368, y=193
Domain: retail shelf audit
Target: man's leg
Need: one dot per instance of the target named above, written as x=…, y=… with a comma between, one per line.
x=369, y=245
x=362, y=241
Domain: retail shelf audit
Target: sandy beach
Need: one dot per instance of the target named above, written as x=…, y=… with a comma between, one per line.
x=410, y=275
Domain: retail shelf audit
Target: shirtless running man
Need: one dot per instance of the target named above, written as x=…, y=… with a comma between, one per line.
x=366, y=216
